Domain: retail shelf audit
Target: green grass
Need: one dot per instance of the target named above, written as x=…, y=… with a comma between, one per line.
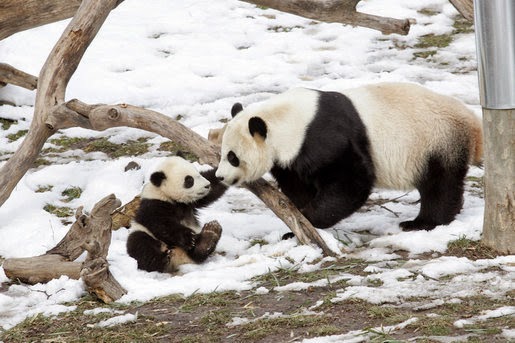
x=129, y=148
x=174, y=148
x=434, y=41
x=15, y=136
x=59, y=211
x=6, y=123
x=71, y=193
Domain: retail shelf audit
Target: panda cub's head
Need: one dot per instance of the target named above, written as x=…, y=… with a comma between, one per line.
x=245, y=155
x=176, y=180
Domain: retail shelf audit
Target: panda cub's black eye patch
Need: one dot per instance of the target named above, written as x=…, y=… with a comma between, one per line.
x=233, y=159
x=188, y=181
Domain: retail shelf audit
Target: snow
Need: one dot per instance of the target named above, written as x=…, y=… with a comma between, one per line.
x=117, y=320
x=194, y=59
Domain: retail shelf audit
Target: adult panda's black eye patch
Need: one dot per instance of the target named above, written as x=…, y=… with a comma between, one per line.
x=188, y=181
x=233, y=159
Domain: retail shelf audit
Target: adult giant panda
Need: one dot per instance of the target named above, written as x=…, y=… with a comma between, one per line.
x=165, y=232
x=327, y=150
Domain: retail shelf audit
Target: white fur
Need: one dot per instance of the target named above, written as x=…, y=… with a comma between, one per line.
x=405, y=123
x=287, y=116
x=172, y=188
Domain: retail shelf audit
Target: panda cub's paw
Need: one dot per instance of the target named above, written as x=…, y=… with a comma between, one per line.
x=207, y=240
x=212, y=228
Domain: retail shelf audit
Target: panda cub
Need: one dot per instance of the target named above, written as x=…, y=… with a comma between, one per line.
x=328, y=149
x=165, y=232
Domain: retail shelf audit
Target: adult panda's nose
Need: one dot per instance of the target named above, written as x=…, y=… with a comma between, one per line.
x=207, y=187
x=220, y=178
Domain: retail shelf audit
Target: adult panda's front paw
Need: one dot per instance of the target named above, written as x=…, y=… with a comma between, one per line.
x=416, y=225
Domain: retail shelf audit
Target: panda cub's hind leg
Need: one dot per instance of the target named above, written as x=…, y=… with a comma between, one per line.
x=151, y=254
x=206, y=242
x=441, y=194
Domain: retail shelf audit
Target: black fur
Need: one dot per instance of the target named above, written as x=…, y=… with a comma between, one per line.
x=163, y=220
x=333, y=173
x=257, y=125
x=441, y=193
x=236, y=108
x=157, y=178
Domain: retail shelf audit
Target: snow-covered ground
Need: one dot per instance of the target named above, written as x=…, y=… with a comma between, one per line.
x=194, y=59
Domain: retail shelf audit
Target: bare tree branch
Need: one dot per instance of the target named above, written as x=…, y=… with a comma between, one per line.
x=9, y=74
x=337, y=11
x=52, y=83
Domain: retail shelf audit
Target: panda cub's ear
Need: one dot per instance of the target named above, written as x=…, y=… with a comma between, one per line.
x=257, y=125
x=157, y=178
x=236, y=108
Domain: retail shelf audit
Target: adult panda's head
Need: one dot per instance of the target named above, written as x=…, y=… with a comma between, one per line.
x=245, y=155
x=176, y=180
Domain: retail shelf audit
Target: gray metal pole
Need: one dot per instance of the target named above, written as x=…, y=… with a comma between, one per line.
x=495, y=40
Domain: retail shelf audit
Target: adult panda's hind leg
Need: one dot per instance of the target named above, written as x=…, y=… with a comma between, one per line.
x=206, y=242
x=441, y=194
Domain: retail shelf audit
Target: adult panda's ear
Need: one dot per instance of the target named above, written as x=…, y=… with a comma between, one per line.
x=157, y=178
x=257, y=125
x=236, y=108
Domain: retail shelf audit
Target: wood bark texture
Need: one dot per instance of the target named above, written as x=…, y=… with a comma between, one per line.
x=9, y=74
x=465, y=7
x=95, y=270
x=89, y=232
x=52, y=82
x=499, y=180
x=16, y=15
x=337, y=11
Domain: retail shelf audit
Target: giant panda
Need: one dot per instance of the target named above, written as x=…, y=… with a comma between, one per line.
x=165, y=232
x=328, y=149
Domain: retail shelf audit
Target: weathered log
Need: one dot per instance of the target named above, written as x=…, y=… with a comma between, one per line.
x=337, y=11
x=122, y=216
x=95, y=270
x=465, y=7
x=91, y=233
x=71, y=246
x=9, y=74
x=42, y=268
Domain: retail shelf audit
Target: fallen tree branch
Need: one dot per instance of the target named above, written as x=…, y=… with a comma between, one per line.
x=337, y=11
x=88, y=232
x=9, y=74
x=101, y=117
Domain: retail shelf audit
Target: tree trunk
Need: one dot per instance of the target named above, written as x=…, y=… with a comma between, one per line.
x=52, y=82
x=465, y=7
x=499, y=225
